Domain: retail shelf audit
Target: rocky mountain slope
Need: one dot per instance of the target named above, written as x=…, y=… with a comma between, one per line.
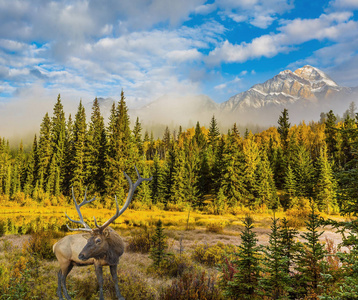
x=306, y=92
x=306, y=84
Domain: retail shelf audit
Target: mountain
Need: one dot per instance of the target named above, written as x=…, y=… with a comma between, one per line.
x=305, y=85
x=306, y=93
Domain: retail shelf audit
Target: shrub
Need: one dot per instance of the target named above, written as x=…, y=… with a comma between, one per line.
x=193, y=285
x=40, y=244
x=173, y=265
x=132, y=286
x=215, y=227
x=140, y=241
x=213, y=255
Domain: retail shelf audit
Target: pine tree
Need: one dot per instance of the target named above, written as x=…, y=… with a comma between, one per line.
x=30, y=171
x=245, y=281
x=266, y=189
x=96, y=143
x=326, y=184
x=78, y=150
x=58, y=135
x=331, y=134
x=303, y=169
x=252, y=160
x=137, y=136
x=232, y=182
x=276, y=283
x=214, y=133
x=310, y=262
x=199, y=137
x=45, y=150
x=159, y=245
x=284, y=128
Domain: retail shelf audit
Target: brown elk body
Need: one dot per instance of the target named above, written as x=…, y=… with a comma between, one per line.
x=101, y=246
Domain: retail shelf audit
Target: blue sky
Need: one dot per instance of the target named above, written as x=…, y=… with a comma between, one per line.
x=83, y=49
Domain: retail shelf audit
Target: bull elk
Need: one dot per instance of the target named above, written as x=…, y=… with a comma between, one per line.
x=101, y=246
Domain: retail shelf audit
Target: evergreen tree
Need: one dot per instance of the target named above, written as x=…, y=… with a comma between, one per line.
x=284, y=128
x=199, y=137
x=45, y=149
x=303, y=169
x=326, y=184
x=310, y=262
x=245, y=281
x=157, y=251
x=96, y=143
x=68, y=171
x=58, y=136
x=156, y=184
x=276, y=283
x=232, y=183
x=266, y=189
x=214, y=133
x=331, y=134
x=30, y=171
x=78, y=151
x=137, y=136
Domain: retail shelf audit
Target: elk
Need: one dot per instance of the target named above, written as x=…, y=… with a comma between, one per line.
x=101, y=246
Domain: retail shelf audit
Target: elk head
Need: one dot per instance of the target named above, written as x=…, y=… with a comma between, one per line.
x=102, y=241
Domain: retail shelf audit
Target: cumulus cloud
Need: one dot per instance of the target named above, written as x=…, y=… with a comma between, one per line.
x=336, y=27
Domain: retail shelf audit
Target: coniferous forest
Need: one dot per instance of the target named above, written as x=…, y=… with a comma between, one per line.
x=306, y=170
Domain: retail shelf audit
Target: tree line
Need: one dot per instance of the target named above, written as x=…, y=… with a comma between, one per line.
x=200, y=167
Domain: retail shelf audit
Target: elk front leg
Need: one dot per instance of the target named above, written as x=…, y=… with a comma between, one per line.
x=99, y=274
x=59, y=285
x=115, y=280
x=63, y=274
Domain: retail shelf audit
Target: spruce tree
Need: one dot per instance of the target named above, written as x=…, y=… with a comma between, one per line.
x=284, y=128
x=45, y=149
x=245, y=281
x=159, y=245
x=331, y=134
x=58, y=136
x=276, y=283
x=326, y=184
x=266, y=189
x=78, y=151
x=214, y=133
x=310, y=262
x=96, y=143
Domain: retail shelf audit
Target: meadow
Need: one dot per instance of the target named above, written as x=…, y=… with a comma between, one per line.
x=196, y=241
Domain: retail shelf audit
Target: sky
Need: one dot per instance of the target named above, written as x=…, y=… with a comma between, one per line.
x=84, y=49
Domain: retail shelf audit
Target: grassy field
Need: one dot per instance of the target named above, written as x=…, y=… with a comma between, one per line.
x=196, y=241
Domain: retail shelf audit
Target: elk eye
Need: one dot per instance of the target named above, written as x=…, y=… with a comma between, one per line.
x=98, y=241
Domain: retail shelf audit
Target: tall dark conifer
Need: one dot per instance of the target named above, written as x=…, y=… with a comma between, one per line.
x=78, y=150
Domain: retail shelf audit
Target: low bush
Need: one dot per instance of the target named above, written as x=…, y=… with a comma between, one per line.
x=215, y=227
x=40, y=244
x=140, y=241
x=213, y=255
x=132, y=286
x=173, y=265
x=193, y=285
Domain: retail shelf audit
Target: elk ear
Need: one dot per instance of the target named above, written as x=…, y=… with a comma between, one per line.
x=86, y=236
x=106, y=233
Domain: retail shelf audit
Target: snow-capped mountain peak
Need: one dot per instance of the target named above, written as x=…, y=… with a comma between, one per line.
x=287, y=87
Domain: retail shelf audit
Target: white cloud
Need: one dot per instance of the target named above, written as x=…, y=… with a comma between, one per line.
x=336, y=27
x=344, y=4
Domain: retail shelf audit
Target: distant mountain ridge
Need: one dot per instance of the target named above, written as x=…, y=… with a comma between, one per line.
x=306, y=87
x=306, y=83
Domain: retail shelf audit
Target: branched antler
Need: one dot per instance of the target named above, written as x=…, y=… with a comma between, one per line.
x=78, y=208
x=132, y=188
